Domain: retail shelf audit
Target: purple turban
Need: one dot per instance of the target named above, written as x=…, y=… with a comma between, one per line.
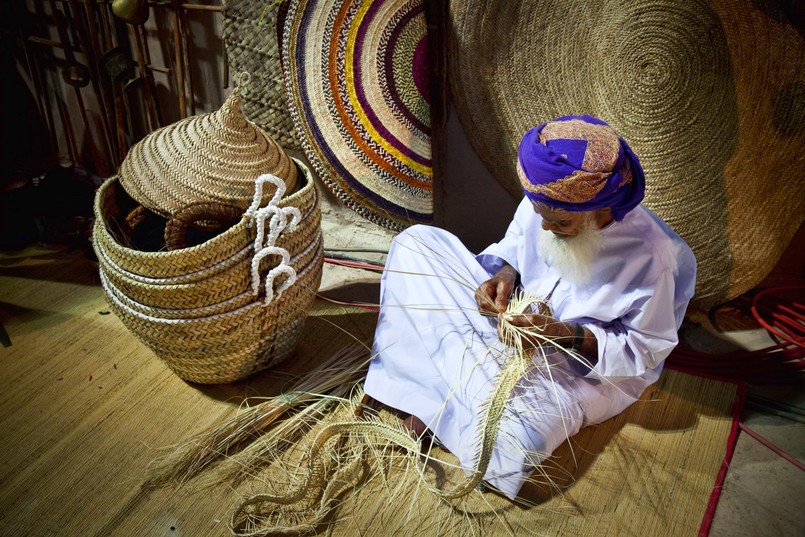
x=579, y=163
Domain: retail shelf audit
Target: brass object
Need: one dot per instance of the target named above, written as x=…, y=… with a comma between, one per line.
x=131, y=11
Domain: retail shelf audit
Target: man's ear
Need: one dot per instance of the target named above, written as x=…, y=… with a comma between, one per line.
x=603, y=217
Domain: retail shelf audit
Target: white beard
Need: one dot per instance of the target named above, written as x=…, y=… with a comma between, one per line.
x=572, y=257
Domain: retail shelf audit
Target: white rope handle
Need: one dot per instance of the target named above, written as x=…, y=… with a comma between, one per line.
x=265, y=243
x=290, y=273
x=258, y=257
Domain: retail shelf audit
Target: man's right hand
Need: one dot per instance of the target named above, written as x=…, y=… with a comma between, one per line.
x=493, y=295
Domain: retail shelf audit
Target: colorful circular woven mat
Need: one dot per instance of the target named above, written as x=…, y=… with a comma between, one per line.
x=357, y=79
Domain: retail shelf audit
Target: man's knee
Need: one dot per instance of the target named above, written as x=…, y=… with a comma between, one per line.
x=414, y=237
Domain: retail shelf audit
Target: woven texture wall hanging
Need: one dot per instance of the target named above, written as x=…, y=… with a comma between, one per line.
x=357, y=81
x=710, y=95
x=251, y=32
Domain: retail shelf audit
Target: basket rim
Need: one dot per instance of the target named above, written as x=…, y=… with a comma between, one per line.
x=103, y=191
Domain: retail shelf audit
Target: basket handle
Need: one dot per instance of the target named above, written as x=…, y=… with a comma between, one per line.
x=265, y=243
x=219, y=215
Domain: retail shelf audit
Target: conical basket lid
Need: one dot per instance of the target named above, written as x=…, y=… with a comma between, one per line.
x=213, y=157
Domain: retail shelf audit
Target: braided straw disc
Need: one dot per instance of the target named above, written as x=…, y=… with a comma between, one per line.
x=356, y=76
x=710, y=95
x=205, y=158
x=250, y=33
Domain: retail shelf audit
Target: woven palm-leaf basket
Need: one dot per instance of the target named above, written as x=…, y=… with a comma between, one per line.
x=224, y=309
x=357, y=83
x=211, y=157
x=709, y=94
x=251, y=33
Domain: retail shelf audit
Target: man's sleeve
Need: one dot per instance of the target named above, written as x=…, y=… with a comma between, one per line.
x=643, y=337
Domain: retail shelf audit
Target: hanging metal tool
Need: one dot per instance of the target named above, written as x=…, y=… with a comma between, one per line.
x=135, y=13
x=75, y=74
x=131, y=11
x=117, y=64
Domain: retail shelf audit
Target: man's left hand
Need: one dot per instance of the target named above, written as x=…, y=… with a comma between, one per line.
x=541, y=327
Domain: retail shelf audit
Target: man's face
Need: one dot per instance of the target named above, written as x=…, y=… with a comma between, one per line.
x=563, y=224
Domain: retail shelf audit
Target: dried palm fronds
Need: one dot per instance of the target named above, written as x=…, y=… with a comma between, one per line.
x=185, y=460
x=314, y=492
x=344, y=452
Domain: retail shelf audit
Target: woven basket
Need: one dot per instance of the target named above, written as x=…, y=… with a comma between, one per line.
x=196, y=307
x=709, y=94
x=201, y=275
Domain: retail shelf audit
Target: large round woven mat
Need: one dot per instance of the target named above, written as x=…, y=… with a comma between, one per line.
x=252, y=45
x=710, y=95
x=357, y=80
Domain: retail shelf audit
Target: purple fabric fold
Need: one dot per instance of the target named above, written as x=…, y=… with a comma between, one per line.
x=579, y=163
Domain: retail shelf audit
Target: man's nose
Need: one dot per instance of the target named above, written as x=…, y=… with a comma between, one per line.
x=548, y=227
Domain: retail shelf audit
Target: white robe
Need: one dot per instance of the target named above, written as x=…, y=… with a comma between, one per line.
x=436, y=357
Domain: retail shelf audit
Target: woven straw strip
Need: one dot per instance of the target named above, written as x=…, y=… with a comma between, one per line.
x=252, y=341
x=250, y=38
x=119, y=294
x=291, y=240
x=295, y=240
x=303, y=265
x=168, y=263
x=102, y=242
x=193, y=299
x=217, y=323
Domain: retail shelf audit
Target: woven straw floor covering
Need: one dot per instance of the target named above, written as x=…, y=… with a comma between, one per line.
x=85, y=407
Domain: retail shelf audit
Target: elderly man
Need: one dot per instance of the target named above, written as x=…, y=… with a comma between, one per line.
x=613, y=279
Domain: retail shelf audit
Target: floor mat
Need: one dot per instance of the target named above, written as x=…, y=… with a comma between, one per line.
x=654, y=470
x=86, y=408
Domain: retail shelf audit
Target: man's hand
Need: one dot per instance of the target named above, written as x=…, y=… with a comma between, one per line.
x=541, y=327
x=542, y=324
x=538, y=328
x=493, y=295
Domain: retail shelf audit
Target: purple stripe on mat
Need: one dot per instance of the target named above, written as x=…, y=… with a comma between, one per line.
x=351, y=126
x=361, y=95
x=327, y=163
x=419, y=67
x=419, y=70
